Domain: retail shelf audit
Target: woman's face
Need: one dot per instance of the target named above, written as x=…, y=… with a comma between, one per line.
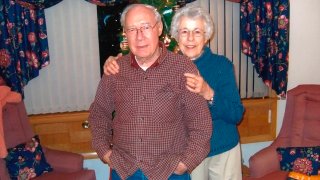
x=191, y=37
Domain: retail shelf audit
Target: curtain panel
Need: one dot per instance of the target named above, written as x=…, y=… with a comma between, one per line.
x=24, y=45
x=69, y=83
x=39, y=4
x=265, y=38
x=155, y=3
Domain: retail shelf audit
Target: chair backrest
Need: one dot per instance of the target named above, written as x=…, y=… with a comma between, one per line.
x=16, y=126
x=301, y=121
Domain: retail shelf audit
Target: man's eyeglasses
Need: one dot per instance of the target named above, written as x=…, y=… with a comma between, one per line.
x=195, y=32
x=146, y=29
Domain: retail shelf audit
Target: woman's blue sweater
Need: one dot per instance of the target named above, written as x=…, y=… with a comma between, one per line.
x=226, y=109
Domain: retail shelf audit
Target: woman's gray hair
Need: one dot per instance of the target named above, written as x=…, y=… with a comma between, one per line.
x=192, y=12
x=125, y=11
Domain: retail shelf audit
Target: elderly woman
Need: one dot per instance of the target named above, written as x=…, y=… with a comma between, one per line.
x=193, y=27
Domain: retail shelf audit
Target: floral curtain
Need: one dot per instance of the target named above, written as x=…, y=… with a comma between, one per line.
x=107, y=2
x=24, y=46
x=265, y=38
x=155, y=3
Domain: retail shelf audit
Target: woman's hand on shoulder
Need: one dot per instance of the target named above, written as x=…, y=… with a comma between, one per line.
x=111, y=66
x=196, y=84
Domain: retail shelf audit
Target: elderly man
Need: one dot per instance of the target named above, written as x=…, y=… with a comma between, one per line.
x=161, y=130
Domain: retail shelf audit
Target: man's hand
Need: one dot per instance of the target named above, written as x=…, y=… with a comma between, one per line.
x=181, y=168
x=111, y=66
x=196, y=84
x=106, y=158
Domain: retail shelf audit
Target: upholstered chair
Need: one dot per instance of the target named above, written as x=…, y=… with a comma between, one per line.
x=17, y=130
x=300, y=128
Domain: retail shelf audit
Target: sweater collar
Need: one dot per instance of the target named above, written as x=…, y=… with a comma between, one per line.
x=160, y=59
x=204, y=55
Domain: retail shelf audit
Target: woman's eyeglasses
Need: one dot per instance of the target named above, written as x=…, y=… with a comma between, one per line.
x=195, y=32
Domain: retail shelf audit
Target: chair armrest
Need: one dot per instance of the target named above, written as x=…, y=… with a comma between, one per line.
x=62, y=161
x=84, y=174
x=264, y=162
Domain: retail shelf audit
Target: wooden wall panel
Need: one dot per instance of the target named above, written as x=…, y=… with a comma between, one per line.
x=64, y=131
x=259, y=120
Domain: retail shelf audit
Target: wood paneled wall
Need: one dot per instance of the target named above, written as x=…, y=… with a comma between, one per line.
x=66, y=131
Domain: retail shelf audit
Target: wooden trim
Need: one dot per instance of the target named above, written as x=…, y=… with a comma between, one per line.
x=90, y=155
x=235, y=1
x=58, y=117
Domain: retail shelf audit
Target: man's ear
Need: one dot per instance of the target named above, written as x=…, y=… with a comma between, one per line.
x=160, y=28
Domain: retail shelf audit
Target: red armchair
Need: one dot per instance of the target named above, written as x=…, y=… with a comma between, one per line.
x=300, y=128
x=17, y=130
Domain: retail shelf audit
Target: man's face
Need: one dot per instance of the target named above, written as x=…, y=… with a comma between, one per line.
x=142, y=31
x=191, y=37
